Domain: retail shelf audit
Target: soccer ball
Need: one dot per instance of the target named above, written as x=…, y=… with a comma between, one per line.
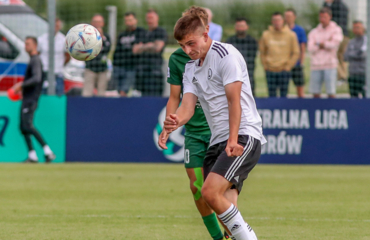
x=83, y=42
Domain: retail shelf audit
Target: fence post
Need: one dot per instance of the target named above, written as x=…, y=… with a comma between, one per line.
x=51, y=20
x=368, y=51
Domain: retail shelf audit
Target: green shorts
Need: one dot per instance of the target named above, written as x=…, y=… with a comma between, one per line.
x=196, y=147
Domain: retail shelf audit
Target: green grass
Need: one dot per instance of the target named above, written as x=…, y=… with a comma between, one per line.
x=152, y=201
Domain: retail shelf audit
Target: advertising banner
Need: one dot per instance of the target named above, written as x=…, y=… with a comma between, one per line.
x=298, y=131
x=49, y=119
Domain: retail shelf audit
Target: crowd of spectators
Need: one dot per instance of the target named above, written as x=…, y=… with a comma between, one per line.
x=138, y=61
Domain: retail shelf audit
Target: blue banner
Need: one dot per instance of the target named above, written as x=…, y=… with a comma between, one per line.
x=299, y=131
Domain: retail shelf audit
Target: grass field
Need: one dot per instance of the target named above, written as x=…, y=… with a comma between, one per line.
x=147, y=201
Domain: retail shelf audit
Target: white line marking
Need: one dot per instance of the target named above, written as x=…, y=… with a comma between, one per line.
x=195, y=216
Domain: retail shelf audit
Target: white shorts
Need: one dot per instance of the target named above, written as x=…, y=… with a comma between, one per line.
x=329, y=76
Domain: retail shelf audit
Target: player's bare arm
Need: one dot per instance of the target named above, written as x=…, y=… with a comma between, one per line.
x=233, y=91
x=183, y=113
x=172, y=105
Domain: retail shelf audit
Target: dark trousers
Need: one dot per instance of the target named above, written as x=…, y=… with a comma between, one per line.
x=278, y=80
x=357, y=84
x=27, y=128
x=149, y=80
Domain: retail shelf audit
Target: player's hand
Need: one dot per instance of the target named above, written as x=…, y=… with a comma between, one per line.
x=171, y=123
x=322, y=45
x=101, y=31
x=136, y=49
x=233, y=149
x=162, y=139
x=17, y=87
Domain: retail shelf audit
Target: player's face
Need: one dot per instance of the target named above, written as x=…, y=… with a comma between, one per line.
x=289, y=17
x=30, y=46
x=358, y=29
x=325, y=19
x=152, y=19
x=194, y=45
x=130, y=21
x=278, y=22
x=98, y=22
x=241, y=27
x=58, y=25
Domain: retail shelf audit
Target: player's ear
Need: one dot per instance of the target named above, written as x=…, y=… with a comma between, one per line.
x=205, y=35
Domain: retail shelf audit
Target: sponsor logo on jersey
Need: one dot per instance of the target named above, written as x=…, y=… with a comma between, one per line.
x=195, y=80
x=3, y=125
x=175, y=143
x=209, y=73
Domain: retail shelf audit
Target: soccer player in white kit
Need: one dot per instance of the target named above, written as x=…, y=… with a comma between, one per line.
x=217, y=76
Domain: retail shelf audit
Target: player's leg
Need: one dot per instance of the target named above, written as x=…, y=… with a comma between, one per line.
x=195, y=150
x=32, y=157
x=271, y=83
x=59, y=88
x=283, y=79
x=315, y=83
x=89, y=80
x=228, y=172
x=330, y=76
x=352, y=86
x=102, y=78
x=298, y=79
x=362, y=83
x=29, y=111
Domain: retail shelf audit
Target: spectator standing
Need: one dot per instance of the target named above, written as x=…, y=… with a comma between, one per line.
x=61, y=57
x=356, y=56
x=340, y=16
x=323, y=44
x=150, y=73
x=279, y=53
x=297, y=71
x=124, y=61
x=96, y=72
x=215, y=30
x=31, y=89
x=247, y=46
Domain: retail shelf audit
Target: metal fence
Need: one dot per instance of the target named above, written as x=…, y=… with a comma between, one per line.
x=148, y=77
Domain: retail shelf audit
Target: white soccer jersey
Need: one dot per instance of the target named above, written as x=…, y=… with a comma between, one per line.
x=223, y=65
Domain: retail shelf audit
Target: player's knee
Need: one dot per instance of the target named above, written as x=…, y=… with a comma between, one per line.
x=193, y=188
x=25, y=130
x=208, y=194
x=196, y=189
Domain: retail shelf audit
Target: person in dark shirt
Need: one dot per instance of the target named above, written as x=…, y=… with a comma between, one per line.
x=150, y=74
x=290, y=16
x=124, y=60
x=246, y=45
x=96, y=72
x=31, y=89
x=340, y=16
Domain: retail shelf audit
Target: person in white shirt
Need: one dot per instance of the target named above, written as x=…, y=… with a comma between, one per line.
x=61, y=57
x=217, y=76
x=215, y=30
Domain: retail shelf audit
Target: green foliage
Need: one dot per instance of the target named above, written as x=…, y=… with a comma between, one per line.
x=168, y=13
x=311, y=15
x=73, y=12
x=257, y=13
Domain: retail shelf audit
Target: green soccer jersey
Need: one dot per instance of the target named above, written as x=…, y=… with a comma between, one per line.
x=198, y=124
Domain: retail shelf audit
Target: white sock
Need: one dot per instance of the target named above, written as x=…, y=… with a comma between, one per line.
x=234, y=221
x=32, y=155
x=47, y=150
